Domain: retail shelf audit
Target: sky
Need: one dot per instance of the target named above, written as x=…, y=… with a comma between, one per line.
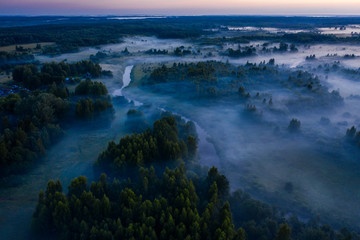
x=180, y=7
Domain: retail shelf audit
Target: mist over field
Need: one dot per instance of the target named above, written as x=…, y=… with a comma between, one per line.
x=275, y=109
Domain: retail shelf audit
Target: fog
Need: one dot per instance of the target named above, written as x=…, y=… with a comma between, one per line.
x=66, y=160
x=257, y=153
x=262, y=162
x=298, y=58
x=262, y=156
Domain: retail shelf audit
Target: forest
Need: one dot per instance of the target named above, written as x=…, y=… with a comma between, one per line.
x=214, y=79
x=70, y=36
x=30, y=124
x=175, y=204
x=33, y=121
x=32, y=78
x=8, y=60
x=166, y=142
x=179, y=127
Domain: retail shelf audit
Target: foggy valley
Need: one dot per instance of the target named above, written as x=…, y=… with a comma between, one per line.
x=274, y=106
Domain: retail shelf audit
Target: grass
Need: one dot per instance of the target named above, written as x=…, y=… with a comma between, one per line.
x=141, y=72
x=31, y=46
x=5, y=79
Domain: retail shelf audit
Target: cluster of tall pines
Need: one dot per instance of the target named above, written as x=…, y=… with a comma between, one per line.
x=184, y=201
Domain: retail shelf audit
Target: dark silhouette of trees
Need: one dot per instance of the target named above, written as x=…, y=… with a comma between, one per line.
x=294, y=125
x=353, y=136
x=87, y=107
x=162, y=205
x=30, y=126
x=246, y=52
x=32, y=78
x=32, y=120
x=162, y=143
x=88, y=87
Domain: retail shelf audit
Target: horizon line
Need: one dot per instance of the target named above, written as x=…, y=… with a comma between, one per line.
x=180, y=15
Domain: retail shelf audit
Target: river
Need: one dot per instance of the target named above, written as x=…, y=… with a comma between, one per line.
x=73, y=156
x=206, y=150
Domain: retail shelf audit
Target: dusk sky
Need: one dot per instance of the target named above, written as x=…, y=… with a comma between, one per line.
x=179, y=7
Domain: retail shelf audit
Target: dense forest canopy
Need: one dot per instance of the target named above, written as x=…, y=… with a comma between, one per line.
x=32, y=121
x=32, y=78
x=168, y=205
x=215, y=80
x=165, y=142
x=69, y=36
x=198, y=125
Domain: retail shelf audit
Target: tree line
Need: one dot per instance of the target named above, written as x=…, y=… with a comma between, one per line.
x=31, y=122
x=10, y=59
x=177, y=203
x=162, y=143
x=30, y=76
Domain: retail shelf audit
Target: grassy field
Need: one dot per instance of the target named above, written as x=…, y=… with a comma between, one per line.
x=139, y=72
x=31, y=46
x=5, y=81
x=142, y=71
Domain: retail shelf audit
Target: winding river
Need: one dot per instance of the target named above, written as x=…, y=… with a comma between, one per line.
x=73, y=156
x=206, y=150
